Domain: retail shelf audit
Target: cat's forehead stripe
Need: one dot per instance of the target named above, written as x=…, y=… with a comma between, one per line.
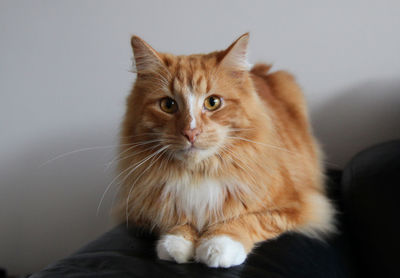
x=192, y=107
x=176, y=85
x=191, y=73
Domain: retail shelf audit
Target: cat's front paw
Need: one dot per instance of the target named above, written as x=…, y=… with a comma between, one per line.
x=220, y=251
x=175, y=248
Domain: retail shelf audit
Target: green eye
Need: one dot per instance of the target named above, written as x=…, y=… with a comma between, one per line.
x=212, y=103
x=168, y=105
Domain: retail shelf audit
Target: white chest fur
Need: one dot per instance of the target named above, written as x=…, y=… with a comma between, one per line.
x=199, y=200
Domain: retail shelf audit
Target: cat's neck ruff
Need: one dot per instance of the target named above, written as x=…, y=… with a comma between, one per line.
x=198, y=200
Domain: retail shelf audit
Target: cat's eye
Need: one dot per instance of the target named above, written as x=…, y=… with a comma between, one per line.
x=168, y=105
x=212, y=103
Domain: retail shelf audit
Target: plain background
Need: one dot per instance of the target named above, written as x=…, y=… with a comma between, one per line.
x=64, y=77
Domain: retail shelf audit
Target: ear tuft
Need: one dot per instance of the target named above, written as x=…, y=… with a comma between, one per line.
x=236, y=54
x=146, y=59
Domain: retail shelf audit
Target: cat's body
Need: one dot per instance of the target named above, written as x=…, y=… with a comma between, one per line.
x=215, y=181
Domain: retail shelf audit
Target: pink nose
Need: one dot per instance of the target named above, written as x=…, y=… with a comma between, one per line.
x=191, y=134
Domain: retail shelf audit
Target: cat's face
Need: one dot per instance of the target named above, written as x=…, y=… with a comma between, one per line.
x=192, y=105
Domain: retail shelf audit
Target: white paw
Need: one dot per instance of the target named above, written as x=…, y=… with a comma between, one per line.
x=220, y=251
x=175, y=248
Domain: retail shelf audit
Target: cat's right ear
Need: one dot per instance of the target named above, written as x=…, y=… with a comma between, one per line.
x=235, y=56
x=146, y=59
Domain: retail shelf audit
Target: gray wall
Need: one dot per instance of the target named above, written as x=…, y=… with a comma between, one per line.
x=64, y=76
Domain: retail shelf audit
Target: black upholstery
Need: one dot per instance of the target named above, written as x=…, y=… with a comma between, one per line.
x=371, y=195
x=367, y=241
x=123, y=253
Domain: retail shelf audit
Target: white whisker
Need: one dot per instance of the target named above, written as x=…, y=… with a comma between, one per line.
x=132, y=146
x=239, y=163
x=262, y=144
x=81, y=150
x=109, y=185
x=120, y=174
x=75, y=151
x=133, y=184
x=119, y=158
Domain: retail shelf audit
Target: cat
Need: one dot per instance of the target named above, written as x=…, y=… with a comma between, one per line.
x=216, y=156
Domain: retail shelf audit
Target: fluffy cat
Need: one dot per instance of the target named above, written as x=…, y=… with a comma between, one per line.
x=216, y=157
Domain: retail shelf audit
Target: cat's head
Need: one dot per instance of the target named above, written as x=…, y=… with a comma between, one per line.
x=192, y=106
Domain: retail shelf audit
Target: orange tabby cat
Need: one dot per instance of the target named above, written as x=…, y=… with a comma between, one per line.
x=216, y=157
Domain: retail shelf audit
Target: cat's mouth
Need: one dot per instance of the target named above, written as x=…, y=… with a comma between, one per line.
x=191, y=151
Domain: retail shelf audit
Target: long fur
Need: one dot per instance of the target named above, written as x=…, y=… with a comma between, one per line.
x=259, y=172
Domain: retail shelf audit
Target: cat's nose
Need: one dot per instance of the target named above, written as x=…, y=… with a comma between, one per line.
x=191, y=134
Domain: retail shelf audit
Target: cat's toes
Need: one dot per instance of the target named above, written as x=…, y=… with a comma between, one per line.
x=220, y=251
x=175, y=248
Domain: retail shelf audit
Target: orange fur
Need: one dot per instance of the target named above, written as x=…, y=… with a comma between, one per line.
x=259, y=173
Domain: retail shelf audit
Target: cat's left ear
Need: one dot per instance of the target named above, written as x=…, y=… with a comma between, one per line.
x=235, y=56
x=147, y=60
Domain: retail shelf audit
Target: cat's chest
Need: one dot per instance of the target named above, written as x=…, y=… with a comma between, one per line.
x=198, y=201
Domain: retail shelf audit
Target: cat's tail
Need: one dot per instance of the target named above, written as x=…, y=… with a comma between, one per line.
x=260, y=69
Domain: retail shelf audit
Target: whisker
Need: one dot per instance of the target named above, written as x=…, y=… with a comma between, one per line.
x=134, y=145
x=116, y=193
x=165, y=161
x=278, y=148
x=119, y=175
x=109, y=185
x=119, y=158
x=137, y=165
x=239, y=129
x=262, y=144
x=142, y=134
x=75, y=151
x=239, y=163
x=82, y=150
x=133, y=184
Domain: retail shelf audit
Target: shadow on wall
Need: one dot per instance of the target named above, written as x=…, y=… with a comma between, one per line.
x=49, y=211
x=356, y=118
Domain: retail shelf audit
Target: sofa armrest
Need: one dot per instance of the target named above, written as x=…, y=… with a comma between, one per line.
x=371, y=192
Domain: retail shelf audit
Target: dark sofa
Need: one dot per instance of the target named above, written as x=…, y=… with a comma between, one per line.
x=365, y=194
